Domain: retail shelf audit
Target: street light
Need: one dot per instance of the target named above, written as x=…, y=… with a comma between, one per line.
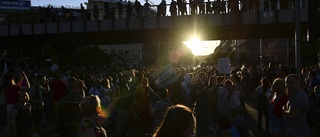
x=297, y=37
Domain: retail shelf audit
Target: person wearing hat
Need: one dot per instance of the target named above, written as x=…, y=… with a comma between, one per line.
x=77, y=87
x=69, y=113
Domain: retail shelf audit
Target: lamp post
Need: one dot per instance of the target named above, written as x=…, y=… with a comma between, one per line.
x=297, y=37
x=236, y=53
x=260, y=49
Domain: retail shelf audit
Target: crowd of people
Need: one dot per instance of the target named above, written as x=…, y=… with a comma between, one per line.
x=101, y=102
x=130, y=9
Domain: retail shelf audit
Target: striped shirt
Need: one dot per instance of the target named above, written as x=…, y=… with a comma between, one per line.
x=161, y=107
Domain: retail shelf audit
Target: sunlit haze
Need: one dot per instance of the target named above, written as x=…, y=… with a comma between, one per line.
x=201, y=48
x=198, y=48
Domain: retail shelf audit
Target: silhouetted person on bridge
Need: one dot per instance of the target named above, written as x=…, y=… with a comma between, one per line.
x=137, y=7
x=112, y=13
x=208, y=7
x=193, y=7
x=256, y=4
x=82, y=10
x=95, y=12
x=244, y=5
x=129, y=10
x=120, y=8
x=266, y=5
x=147, y=9
x=163, y=8
x=184, y=7
x=234, y=5
x=179, y=4
x=106, y=10
x=273, y=4
x=173, y=8
x=201, y=6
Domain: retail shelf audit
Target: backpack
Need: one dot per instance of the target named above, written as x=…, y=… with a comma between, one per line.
x=99, y=131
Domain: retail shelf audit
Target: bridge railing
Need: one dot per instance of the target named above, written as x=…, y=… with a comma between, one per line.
x=67, y=21
x=45, y=14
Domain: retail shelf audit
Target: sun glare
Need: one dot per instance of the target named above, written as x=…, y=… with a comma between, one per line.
x=201, y=48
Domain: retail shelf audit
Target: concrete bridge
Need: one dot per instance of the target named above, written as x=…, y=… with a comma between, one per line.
x=218, y=26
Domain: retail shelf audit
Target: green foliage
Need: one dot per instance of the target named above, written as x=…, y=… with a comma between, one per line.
x=212, y=59
x=91, y=56
x=309, y=53
x=243, y=57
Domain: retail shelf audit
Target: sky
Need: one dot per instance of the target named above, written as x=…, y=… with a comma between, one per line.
x=198, y=48
x=72, y=3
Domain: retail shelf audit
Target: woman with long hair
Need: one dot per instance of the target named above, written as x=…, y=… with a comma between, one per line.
x=178, y=122
x=278, y=100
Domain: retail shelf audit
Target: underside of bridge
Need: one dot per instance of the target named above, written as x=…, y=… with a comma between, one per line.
x=183, y=33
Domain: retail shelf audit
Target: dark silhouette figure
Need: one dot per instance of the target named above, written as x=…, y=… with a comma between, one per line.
x=129, y=10
x=106, y=10
x=173, y=8
x=137, y=6
x=120, y=8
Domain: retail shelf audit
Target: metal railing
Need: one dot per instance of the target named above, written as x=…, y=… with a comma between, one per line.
x=44, y=14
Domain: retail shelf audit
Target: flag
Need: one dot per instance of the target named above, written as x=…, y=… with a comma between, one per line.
x=5, y=70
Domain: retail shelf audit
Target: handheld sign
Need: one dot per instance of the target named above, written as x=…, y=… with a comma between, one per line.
x=164, y=76
x=223, y=65
x=54, y=67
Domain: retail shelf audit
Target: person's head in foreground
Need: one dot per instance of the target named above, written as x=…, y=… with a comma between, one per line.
x=178, y=122
x=90, y=106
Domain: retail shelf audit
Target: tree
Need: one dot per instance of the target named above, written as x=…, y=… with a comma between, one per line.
x=91, y=56
x=243, y=57
x=212, y=59
x=309, y=53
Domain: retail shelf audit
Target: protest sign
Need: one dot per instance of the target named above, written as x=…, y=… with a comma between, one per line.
x=224, y=65
x=164, y=76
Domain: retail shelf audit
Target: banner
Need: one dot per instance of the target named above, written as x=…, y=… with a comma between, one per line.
x=15, y=4
x=165, y=76
x=224, y=65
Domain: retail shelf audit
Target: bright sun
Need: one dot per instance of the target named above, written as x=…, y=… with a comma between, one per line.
x=201, y=48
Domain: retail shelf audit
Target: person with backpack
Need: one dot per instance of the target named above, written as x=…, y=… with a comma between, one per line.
x=20, y=117
x=94, y=116
x=263, y=93
x=69, y=113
